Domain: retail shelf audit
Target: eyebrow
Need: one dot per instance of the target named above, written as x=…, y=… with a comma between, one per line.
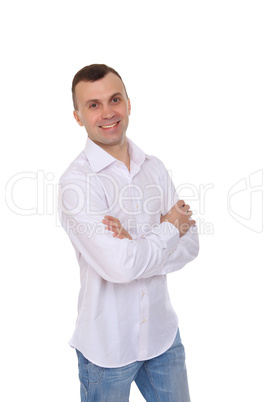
x=97, y=100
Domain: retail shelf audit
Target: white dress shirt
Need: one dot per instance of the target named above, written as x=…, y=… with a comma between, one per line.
x=124, y=310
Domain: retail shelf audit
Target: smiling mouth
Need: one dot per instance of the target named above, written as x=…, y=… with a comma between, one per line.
x=111, y=125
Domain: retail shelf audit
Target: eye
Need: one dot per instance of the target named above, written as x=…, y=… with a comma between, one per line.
x=93, y=106
x=115, y=100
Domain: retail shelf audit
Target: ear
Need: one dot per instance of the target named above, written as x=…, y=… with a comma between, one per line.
x=77, y=118
x=129, y=107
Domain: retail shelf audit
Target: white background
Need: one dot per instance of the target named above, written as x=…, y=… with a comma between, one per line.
x=196, y=73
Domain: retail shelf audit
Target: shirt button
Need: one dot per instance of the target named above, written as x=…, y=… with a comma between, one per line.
x=137, y=206
x=143, y=294
x=144, y=321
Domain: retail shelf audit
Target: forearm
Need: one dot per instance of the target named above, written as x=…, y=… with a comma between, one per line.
x=186, y=248
x=121, y=260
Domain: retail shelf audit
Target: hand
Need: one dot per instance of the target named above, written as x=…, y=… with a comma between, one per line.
x=179, y=216
x=114, y=225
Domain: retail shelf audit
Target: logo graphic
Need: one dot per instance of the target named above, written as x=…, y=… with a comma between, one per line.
x=245, y=201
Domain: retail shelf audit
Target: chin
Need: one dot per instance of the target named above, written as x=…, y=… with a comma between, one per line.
x=114, y=139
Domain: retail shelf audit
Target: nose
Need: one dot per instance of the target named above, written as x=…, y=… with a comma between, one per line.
x=107, y=112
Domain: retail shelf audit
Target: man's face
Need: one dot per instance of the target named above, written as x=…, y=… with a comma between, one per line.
x=104, y=109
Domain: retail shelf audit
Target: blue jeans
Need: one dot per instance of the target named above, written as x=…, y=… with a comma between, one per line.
x=163, y=378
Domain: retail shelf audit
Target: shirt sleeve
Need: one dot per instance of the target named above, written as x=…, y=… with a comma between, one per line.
x=187, y=247
x=115, y=260
x=186, y=250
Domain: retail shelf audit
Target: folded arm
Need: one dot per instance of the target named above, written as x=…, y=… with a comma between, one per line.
x=115, y=259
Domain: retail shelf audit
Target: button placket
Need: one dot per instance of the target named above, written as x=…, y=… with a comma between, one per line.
x=144, y=320
x=144, y=303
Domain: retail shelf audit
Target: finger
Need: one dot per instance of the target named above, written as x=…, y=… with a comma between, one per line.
x=111, y=223
x=111, y=218
x=185, y=209
x=180, y=203
x=112, y=229
x=118, y=236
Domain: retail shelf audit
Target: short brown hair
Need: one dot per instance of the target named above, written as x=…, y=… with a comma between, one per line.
x=92, y=73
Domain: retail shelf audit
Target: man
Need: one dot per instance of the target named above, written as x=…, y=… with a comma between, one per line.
x=129, y=229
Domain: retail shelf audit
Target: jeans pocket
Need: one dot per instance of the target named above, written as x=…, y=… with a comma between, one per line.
x=94, y=373
x=89, y=373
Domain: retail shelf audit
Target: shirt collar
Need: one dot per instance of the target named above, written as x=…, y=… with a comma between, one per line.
x=100, y=159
